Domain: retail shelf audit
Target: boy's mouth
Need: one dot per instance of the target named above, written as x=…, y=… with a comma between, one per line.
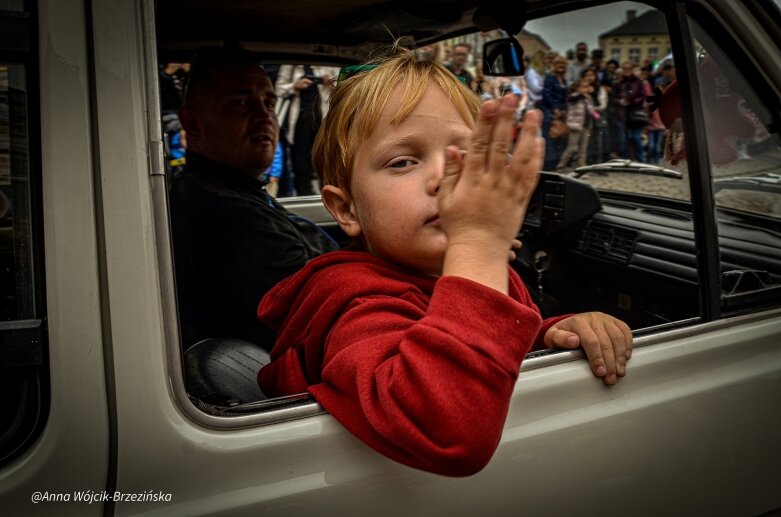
x=434, y=219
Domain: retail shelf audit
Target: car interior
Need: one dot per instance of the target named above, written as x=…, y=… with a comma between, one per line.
x=590, y=242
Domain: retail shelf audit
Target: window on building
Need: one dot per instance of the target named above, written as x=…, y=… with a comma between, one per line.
x=634, y=55
x=653, y=53
x=615, y=54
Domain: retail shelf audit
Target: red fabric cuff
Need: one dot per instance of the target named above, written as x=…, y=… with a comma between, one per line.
x=513, y=325
x=283, y=376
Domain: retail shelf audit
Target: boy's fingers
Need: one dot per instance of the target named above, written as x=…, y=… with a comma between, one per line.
x=481, y=138
x=628, y=339
x=528, y=156
x=531, y=128
x=514, y=245
x=619, y=346
x=599, y=351
x=500, y=138
x=452, y=169
x=608, y=355
x=559, y=338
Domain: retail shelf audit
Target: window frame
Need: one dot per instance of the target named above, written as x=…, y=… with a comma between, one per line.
x=24, y=354
x=751, y=75
x=303, y=405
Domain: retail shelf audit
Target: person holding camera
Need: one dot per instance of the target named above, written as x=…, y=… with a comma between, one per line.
x=303, y=92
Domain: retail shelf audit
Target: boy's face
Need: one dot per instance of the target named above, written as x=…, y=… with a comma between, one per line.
x=396, y=176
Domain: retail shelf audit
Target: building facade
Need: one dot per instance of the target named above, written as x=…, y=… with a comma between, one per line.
x=641, y=39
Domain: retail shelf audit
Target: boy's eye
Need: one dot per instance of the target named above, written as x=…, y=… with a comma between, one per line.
x=401, y=163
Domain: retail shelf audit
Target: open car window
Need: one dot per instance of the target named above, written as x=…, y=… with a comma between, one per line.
x=744, y=149
x=612, y=226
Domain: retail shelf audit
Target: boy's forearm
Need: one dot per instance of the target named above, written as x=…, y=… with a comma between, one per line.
x=403, y=391
x=480, y=262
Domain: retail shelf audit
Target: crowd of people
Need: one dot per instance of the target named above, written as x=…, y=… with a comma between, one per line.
x=594, y=109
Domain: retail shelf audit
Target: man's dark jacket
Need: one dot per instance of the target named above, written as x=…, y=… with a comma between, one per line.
x=232, y=243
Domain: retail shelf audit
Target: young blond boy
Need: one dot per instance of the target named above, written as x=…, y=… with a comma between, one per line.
x=414, y=340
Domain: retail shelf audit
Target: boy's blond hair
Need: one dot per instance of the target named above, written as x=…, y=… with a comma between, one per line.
x=357, y=103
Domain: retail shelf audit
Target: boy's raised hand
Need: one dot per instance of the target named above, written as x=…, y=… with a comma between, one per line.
x=483, y=198
x=606, y=340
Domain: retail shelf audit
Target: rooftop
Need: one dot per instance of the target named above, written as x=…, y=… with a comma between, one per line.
x=650, y=22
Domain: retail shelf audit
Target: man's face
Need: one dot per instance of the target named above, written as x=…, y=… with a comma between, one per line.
x=232, y=119
x=627, y=70
x=459, y=55
x=581, y=52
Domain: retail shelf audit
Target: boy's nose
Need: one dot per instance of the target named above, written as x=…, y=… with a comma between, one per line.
x=435, y=178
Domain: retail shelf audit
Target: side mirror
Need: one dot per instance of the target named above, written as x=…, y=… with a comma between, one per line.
x=503, y=57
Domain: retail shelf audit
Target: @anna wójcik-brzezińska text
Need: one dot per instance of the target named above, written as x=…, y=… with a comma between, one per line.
x=92, y=496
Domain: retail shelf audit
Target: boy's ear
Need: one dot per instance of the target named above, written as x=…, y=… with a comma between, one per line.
x=340, y=205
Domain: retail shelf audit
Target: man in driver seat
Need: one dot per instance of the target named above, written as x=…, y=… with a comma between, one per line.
x=232, y=241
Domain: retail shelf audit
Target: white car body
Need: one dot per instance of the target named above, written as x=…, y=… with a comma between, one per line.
x=694, y=429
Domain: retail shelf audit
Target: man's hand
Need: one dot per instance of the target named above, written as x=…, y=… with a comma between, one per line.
x=606, y=340
x=302, y=84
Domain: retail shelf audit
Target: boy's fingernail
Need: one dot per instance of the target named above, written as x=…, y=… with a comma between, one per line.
x=572, y=341
x=601, y=371
x=611, y=379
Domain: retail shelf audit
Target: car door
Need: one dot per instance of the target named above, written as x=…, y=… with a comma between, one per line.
x=55, y=421
x=693, y=427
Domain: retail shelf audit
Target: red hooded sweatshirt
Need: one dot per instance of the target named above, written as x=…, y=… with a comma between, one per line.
x=419, y=368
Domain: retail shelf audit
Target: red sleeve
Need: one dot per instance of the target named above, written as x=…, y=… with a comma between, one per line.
x=428, y=387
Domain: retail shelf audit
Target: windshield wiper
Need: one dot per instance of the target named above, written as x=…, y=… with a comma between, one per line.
x=618, y=165
x=767, y=182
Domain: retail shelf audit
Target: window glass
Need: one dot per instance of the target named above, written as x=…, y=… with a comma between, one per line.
x=303, y=92
x=11, y=5
x=625, y=123
x=18, y=301
x=23, y=376
x=745, y=157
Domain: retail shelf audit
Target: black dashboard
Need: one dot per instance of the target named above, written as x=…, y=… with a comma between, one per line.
x=636, y=257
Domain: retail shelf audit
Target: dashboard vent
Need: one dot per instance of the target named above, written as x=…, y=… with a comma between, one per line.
x=609, y=242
